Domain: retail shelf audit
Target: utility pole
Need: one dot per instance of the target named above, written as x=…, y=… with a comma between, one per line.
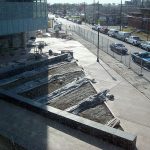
x=98, y=36
x=93, y=12
x=84, y=13
x=98, y=10
x=121, y=16
x=147, y=29
x=98, y=47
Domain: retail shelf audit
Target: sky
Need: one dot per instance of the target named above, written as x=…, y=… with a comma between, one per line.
x=87, y=1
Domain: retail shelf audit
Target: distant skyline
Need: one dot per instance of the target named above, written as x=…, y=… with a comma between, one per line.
x=87, y=1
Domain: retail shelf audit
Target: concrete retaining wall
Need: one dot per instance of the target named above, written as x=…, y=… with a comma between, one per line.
x=111, y=135
x=11, y=71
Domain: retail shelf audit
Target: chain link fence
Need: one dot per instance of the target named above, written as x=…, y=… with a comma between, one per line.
x=104, y=45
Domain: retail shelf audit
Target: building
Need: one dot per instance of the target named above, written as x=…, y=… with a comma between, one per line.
x=18, y=18
x=140, y=20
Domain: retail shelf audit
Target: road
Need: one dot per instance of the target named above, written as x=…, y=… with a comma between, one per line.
x=87, y=33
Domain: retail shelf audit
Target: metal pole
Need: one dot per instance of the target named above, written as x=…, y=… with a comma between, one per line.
x=98, y=47
x=129, y=60
x=102, y=43
x=147, y=29
x=84, y=13
x=107, y=45
x=121, y=16
x=141, y=68
x=98, y=11
x=93, y=37
x=94, y=12
x=121, y=56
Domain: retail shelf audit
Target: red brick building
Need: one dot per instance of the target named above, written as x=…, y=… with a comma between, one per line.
x=140, y=20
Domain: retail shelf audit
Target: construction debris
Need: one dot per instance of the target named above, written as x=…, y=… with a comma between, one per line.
x=114, y=122
x=64, y=90
x=88, y=103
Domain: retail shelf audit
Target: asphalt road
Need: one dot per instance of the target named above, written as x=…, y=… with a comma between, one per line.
x=87, y=33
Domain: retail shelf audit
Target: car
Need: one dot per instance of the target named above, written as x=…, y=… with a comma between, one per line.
x=121, y=35
x=95, y=27
x=134, y=40
x=145, y=45
x=103, y=29
x=118, y=48
x=112, y=32
x=142, y=58
x=46, y=34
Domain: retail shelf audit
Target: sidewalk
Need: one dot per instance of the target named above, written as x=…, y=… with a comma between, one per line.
x=129, y=105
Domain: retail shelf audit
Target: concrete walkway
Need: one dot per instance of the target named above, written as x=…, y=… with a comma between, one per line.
x=130, y=106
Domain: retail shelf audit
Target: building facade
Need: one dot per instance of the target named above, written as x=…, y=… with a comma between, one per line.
x=19, y=17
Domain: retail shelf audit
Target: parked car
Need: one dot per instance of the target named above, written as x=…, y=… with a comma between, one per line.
x=118, y=48
x=95, y=27
x=103, y=29
x=134, y=40
x=142, y=58
x=112, y=32
x=145, y=45
x=122, y=35
x=46, y=35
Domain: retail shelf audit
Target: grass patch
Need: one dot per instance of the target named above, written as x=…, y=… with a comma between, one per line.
x=141, y=34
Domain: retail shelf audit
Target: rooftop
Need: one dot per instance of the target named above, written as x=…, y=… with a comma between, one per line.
x=51, y=82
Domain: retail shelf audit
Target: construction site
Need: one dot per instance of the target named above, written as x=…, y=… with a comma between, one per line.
x=52, y=79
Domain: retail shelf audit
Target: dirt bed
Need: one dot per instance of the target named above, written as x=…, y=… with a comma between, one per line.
x=72, y=98
x=52, y=86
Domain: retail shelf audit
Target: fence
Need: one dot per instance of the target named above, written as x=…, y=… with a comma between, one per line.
x=104, y=44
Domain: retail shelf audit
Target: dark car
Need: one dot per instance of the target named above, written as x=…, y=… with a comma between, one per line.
x=142, y=58
x=118, y=48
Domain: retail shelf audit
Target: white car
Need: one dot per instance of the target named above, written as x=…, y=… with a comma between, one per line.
x=46, y=35
x=112, y=32
x=145, y=45
x=134, y=40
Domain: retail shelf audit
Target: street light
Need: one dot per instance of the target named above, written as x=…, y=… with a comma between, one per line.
x=121, y=16
x=98, y=46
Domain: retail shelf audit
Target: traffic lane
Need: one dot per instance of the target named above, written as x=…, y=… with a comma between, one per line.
x=130, y=47
x=113, y=39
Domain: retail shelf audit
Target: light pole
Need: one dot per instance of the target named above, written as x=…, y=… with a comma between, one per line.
x=121, y=16
x=147, y=29
x=98, y=47
x=84, y=13
x=98, y=11
x=93, y=12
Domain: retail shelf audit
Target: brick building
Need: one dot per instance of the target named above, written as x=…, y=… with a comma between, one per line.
x=140, y=20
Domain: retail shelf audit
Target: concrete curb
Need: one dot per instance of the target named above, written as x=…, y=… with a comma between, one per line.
x=111, y=135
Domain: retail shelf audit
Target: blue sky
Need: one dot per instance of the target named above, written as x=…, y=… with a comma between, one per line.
x=80, y=1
